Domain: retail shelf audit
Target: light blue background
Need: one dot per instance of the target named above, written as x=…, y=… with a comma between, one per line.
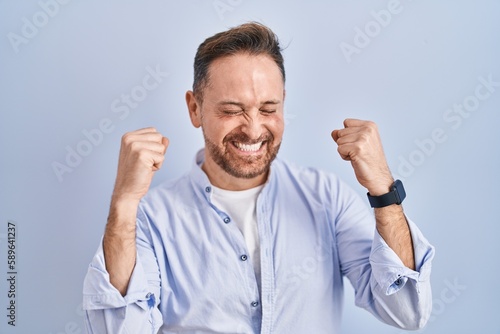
x=65, y=78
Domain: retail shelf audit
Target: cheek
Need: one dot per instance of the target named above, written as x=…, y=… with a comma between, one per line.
x=216, y=130
x=277, y=126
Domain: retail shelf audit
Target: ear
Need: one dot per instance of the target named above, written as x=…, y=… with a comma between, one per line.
x=194, y=109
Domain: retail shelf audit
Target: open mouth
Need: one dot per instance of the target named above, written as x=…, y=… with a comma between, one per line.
x=248, y=147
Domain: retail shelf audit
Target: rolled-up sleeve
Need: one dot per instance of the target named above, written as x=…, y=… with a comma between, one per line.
x=401, y=297
x=394, y=293
x=107, y=311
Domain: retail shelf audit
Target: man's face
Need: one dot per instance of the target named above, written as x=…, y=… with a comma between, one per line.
x=242, y=114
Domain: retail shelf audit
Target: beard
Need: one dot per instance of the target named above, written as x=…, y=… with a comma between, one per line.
x=246, y=167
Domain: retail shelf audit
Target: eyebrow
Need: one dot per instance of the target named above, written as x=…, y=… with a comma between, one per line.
x=241, y=105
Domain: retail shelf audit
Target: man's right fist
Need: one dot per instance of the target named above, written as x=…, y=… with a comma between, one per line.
x=141, y=154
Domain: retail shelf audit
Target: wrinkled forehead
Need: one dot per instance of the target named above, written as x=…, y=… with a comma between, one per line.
x=244, y=77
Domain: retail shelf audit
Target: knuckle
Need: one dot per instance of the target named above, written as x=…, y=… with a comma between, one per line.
x=365, y=135
x=134, y=146
x=157, y=137
x=369, y=131
x=126, y=138
x=129, y=138
x=371, y=125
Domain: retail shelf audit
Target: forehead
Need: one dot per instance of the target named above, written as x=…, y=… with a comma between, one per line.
x=244, y=76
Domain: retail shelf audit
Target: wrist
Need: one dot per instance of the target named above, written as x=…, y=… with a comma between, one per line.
x=381, y=188
x=396, y=195
x=122, y=214
x=124, y=202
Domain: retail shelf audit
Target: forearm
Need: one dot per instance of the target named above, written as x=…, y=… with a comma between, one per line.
x=121, y=290
x=119, y=243
x=393, y=228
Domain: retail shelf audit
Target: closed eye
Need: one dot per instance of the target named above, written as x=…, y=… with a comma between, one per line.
x=232, y=112
x=268, y=111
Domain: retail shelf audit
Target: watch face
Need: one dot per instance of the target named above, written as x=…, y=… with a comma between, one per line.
x=400, y=191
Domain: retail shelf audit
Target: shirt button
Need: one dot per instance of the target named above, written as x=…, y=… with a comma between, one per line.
x=227, y=220
x=208, y=189
x=243, y=257
x=255, y=304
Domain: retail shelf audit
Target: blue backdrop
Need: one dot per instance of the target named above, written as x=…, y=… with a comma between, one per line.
x=76, y=75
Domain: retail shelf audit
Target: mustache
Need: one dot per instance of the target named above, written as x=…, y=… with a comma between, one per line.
x=245, y=139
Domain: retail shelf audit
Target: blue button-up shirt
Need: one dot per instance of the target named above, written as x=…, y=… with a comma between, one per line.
x=192, y=274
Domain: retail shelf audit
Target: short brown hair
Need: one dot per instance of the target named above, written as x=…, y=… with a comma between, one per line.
x=253, y=38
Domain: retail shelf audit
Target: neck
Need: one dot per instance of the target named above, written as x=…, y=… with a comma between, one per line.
x=221, y=179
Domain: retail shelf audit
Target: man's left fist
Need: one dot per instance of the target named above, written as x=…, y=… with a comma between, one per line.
x=359, y=142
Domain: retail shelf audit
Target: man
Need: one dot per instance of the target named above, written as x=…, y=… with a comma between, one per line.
x=244, y=242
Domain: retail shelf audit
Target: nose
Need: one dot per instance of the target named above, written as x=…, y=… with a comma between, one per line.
x=253, y=126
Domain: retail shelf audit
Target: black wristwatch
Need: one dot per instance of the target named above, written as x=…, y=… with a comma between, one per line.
x=395, y=196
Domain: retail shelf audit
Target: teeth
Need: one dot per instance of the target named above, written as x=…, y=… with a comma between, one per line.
x=248, y=148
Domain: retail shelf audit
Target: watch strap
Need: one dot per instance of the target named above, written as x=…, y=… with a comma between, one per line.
x=395, y=196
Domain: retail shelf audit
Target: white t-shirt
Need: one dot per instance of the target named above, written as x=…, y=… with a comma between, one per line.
x=241, y=207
